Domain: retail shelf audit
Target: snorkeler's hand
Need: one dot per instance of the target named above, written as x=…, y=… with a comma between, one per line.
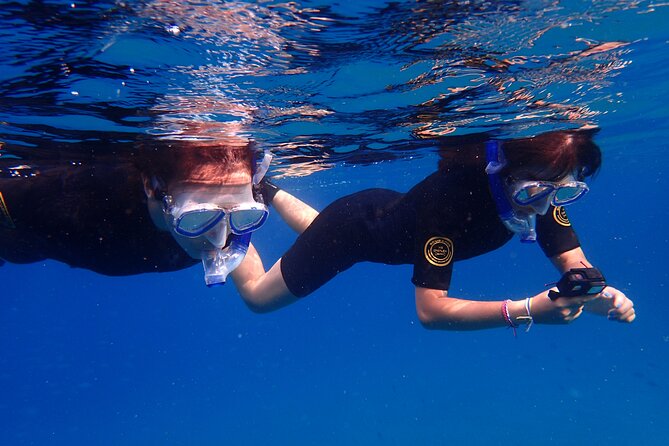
x=562, y=310
x=265, y=191
x=612, y=303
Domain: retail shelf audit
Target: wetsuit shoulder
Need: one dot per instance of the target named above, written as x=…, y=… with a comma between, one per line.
x=456, y=220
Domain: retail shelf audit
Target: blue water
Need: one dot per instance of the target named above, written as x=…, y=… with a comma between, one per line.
x=352, y=95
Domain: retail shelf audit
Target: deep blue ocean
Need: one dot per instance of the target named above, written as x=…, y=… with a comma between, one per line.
x=347, y=96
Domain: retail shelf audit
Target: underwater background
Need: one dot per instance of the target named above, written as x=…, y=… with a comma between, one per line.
x=347, y=96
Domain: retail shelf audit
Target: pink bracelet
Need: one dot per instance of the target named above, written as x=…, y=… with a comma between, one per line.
x=507, y=316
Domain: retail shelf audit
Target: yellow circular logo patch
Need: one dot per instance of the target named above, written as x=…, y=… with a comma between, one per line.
x=560, y=216
x=439, y=251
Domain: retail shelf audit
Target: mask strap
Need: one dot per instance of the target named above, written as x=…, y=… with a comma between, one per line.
x=262, y=168
x=159, y=188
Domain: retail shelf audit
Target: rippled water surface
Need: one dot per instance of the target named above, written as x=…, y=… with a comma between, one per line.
x=313, y=81
x=347, y=95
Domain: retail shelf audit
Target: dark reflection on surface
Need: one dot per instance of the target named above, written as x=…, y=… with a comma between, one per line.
x=319, y=83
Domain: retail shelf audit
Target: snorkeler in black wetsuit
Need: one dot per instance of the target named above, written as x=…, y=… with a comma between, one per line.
x=158, y=210
x=474, y=204
x=423, y=227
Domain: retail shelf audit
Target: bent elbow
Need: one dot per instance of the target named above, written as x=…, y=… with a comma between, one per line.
x=257, y=307
x=432, y=319
x=429, y=325
x=427, y=318
x=255, y=301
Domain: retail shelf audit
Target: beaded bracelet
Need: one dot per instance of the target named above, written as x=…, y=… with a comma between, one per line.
x=507, y=316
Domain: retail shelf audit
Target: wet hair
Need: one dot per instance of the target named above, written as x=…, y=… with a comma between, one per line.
x=548, y=156
x=553, y=155
x=200, y=162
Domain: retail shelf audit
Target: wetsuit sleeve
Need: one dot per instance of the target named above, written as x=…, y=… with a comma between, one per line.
x=433, y=265
x=555, y=233
x=435, y=237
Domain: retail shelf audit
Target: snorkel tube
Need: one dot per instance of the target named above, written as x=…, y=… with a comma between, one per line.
x=219, y=263
x=523, y=226
x=262, y=168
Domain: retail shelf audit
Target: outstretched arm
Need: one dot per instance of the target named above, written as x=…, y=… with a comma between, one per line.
x=437, y=310
x=296, y=213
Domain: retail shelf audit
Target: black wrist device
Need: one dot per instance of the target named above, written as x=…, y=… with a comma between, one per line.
x=579, y=282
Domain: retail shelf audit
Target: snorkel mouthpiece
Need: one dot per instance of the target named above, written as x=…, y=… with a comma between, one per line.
x=221, y=262
x=524, y=227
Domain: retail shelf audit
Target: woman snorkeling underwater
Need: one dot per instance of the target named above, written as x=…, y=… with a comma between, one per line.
x=483, y=194
x=162, y=207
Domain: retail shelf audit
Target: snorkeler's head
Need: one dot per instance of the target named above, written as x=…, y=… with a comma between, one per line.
x=202, y=194
x=528, y=175
x=213, y=223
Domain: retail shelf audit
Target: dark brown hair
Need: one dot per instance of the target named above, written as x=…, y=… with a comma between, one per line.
x=205, y=162
x=551, y=155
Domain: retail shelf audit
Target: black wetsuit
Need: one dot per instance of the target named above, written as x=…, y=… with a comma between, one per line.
x=445, y=218
x=91, y=216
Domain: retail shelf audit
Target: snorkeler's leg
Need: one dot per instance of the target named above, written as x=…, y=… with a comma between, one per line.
x=261, y=291
x=296, y=213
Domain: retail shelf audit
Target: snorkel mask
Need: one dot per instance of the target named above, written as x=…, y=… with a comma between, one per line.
x=524, y=225
x=229, y=229
x=219, y=263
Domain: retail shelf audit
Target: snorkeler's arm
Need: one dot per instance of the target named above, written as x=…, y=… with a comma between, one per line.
x=296, y=213
x=436, y=310
x=574, y=258
x=261, y=291
x=612, y=302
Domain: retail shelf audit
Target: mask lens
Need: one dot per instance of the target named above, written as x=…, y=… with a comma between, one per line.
x=246, y=220
x=531, y=193
x=196, y=223
x=568, y=194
